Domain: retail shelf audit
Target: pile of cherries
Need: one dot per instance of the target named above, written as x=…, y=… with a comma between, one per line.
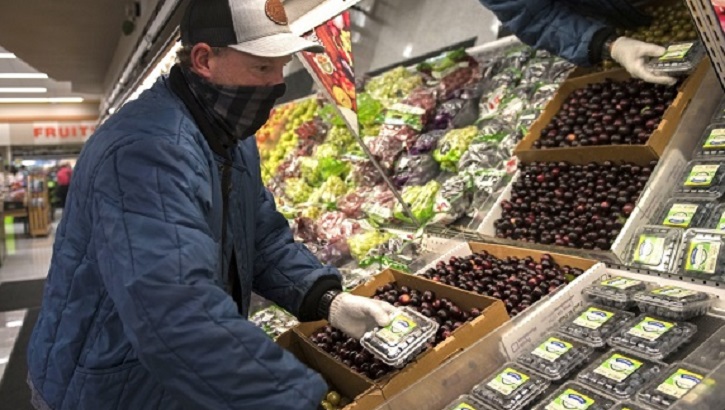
x=608, y=113
x=350, y=352
x=519, y=283
x=577, y=206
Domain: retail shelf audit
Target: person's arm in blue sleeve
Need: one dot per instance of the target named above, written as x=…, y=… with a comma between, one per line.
x=156, y=255
x=553, y=26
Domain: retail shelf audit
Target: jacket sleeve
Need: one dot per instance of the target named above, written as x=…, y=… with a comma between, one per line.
x=286, y=272
x=156, y=255
x=553, y=26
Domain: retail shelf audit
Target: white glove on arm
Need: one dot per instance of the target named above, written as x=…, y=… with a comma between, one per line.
x=633, y=56
x=356, y=315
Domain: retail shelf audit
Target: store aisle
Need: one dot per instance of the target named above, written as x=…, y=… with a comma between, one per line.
x=22, y=277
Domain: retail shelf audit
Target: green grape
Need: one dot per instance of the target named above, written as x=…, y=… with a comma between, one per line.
x=297, y=190
x=420, y=200
x=361, y=244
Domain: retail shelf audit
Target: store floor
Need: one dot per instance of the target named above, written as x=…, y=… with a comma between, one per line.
x=21, y=281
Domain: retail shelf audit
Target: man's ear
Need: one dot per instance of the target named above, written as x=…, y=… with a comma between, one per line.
x=200, y=55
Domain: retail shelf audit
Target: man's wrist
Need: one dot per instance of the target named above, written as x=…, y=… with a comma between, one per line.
x=597, y=45
x=607, y=47
x=323, y=309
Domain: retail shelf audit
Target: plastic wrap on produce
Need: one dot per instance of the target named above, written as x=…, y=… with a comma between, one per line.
x=452, y=146
x=518, y=57
x=310, y=171
x=427, y=142
x=453, y=199
x=328, y=193
x=390, y=87
x=481, y=155
x=335, y=225
x=370, y=114
x=362, y=243
x=289, y=168
x=380, y=204
x=559, y=70
x=386, y=149
x=304, y=230
x=487, y=183
x=543, y=94
x=493, y=130
x=420, y=200
x=423, y=98
x=352, y=203
x=534, y=72
x=297, y=190
x=491, y=101
x=304, y=148
x=314, y=130
x=445, y=114
x=274, y=321
x=415, y=169
x=397, y=253
x=363, y=172
x=355, y=277
x=334, y=252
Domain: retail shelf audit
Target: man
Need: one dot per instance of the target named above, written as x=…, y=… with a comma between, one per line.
x=565, y=28
x=63, y=177
x=137, y=312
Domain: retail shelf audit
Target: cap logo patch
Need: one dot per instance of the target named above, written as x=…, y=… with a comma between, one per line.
x=275, y=11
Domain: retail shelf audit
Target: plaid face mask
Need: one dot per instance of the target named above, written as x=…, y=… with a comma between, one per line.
x=241, y=111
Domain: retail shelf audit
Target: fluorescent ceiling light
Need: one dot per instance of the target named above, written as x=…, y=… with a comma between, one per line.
x=23, y=90
x=23, y=76
x=41, y=100
x=7, y=55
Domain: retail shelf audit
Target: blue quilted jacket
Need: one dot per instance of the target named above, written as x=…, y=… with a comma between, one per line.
x=565, y=27
x=134, y=314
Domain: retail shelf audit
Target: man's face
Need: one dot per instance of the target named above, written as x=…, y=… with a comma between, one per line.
x=235, y=68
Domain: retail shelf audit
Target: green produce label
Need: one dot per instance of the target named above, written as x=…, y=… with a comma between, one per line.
x=620, y=283
x=721, y=222
x=680, y=383
x=702, y=175
x=650, y=250
x=676, y=52
x=464, y=406
x=570, y=400
x=508, y=381
x=680, y=215
x=650, y=329
x=593, y=318
x=716, y=139
x=674, y=292
x=618, y=367
x=552, y=349
x=397, y=330
x=702, y=256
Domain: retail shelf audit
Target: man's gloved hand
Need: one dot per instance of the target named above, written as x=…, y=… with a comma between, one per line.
x=633, y=56
x=356, y=315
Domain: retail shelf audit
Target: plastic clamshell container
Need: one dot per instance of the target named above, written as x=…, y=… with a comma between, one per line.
x=575, y=396
x=511, y=387
x=402, y=340
x=620, y=374
x=557, y=357
x=712, y=142
x=654, y=248
x=465, y=402
x=704, y=179
x=681, y=58
x=674, y=302
x=710, y=353
x=671, y=385
x=594, y=324
x=716, y=220
x=702, y=254
x=653, y=337
x=629, y=406
x=683, y=213
x=719, y=115
x=616, y=292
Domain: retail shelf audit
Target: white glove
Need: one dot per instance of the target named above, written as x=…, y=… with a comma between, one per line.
x=356, y=315
x=632, y=55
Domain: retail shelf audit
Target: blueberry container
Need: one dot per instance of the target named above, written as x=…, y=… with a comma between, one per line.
x=512, y=387
x=620, y=374
x=573, y=396
x=402, y=340
x=594, y=324
x=683, y=213
x=716, y=220
x=674, y=302
x=617, y=292
x=629, y=406
x=702, y=254
x=653, y=337
x=709, y=354
x=671, y=385
x=702, y=179
x=712, y=142
x=680, y=59
x=465, y=402
x=557, y=357
x=654, y=248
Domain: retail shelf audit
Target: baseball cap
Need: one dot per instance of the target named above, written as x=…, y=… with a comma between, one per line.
x=257, y=27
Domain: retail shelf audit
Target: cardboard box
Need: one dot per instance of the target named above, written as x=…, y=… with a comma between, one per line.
x=363, y=394
x=654, y=148
x=493, y=315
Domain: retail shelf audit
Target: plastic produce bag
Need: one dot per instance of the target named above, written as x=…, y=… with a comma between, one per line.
x=453, y=199
x=397, y=253
x=518, y=57
x=534, y=72
x=297, y=190
x=363, y=172
x=328, y=193
x=452, y=147
x=352, y=203
x=310, y=171
x=333, y=252
x=427, y=142
x=305, y=230
x=444, y=115
x=415, y=170
x=362, y=243
x=386, y=149
x=559, y=70
x=369, y=113
x=486, y=184
x=380, y=204
x=424, y=99
x=335, y=225
x=480, y=156
x=420, y=200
